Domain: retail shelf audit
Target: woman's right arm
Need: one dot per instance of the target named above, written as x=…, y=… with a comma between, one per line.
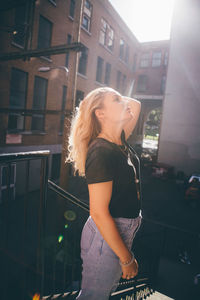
x=100, y=195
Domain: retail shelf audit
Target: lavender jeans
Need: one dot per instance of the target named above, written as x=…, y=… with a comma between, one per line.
x=101, y=269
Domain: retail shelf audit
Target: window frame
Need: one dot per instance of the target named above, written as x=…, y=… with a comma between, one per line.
x=20, y=26
x=87, y=14
x=124, y=82
x=36, y=114
x=163, y=84
x=156, y=61
x=12, y=106
x=40, y=37
x=134, y=62
x=139, y=84
x=121, y=49
x=118, y=80
x=107, y=73
x=166, y=58
x=105, y=32
x=144, y=60
x=72, y=8
x=83, y=60
x=99, y=69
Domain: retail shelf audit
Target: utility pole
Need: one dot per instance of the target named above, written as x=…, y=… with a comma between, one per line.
x=71, y=94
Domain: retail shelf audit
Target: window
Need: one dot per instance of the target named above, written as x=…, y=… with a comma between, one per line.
x=107, y=73
x=20, y=22
x=18, y=91
x=72, y=8
x=121, y=48
x=79, y=97
x=124, y=84
x=156, y=60
x=118, y=80
x=163, y=82
x=144, y=60
x=87, y=14
x=7, y=181
x=44, y=35
x=134, y=62
x=123, y=51
x=64, y=100
x=83, y=61
x=69, y=38
x=126, y=59
x=142, y=83
x=102, y=36
x=39, y=102
x=106, y=37
x=99, y=71
x=166, y=58
x=110, y=39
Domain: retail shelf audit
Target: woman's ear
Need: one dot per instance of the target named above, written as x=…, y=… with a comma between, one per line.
x=99, y=113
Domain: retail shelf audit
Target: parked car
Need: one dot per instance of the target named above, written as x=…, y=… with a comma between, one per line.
x=192, y=192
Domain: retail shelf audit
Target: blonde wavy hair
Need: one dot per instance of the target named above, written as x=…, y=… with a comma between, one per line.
x=85, y=127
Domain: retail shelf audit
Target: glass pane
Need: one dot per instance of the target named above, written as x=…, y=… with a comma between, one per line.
x=18, y=87
x=99, y=69
x=44, y=36
x=85, y=23
x=102, y=37
x=20, y=20
x=40, y=89
x=37, y=122
x=87, y=4
x=15, y=122
x=72, y=8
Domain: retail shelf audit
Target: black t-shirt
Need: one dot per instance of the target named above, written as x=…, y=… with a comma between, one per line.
x=105, y=162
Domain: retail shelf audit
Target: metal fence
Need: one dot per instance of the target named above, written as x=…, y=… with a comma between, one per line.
x=40, y=229
x=22, y=223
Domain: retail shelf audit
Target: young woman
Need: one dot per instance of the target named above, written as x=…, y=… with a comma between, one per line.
x=97, y=151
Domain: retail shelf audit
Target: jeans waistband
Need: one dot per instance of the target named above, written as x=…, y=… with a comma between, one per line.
x=128, y=221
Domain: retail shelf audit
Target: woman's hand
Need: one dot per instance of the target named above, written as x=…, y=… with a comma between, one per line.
x=130, y=271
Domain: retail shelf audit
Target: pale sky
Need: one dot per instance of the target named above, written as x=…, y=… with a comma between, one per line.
x=149, y=20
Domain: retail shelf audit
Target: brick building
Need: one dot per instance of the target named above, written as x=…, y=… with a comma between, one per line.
x=150, y=78
x=32, y=103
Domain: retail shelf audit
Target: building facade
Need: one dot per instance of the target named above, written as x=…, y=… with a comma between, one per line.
x=33, y=104
x=150, y=78
x=180, y=138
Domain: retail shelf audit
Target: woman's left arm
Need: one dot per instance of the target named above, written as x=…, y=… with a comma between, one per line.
x=135, y=107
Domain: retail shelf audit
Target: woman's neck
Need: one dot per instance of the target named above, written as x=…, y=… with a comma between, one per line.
x=114, y=138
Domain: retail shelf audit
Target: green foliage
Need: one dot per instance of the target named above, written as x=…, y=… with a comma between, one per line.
x=152, y=126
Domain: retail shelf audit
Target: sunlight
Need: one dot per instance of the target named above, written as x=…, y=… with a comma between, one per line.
x=149, y=20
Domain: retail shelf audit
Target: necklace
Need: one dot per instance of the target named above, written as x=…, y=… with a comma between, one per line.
x=126, y=149
x=128, y=156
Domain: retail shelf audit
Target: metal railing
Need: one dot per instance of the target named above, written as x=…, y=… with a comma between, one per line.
x=40, y=233
x=40, y=229
x=132, y=288
x=22, y=224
